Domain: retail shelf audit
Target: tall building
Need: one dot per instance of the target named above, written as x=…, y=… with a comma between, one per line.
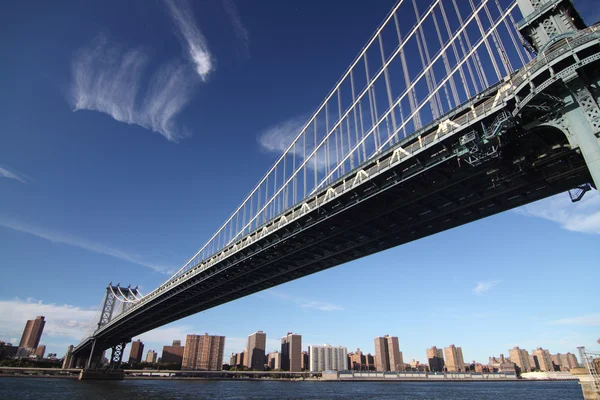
x=40, y=351
x=240, y=359
x=291, y=352
x=255, y=356
x=544, y=359
x=357, y=361
x=232, y=359
x=527, y=359
x=203, y=352
x=137, y=351
x=454, y=359
x=68, y=360
x=274, y=360
x=389, y=356
x=370, y=362
x=305, y=361
x=32, y=333
x=326, y=358
x=172, y=354
x=151, y=356
x=435, y=359
x=557, y=361
x=533, y=362
x=520, y=358
x=570, y=361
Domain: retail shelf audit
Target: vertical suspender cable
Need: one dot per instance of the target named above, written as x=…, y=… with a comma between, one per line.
x=499, y=44
x=304, y=159
x=486, y=42
x=316, y=156
x=447, y=67
x=457, y=57
x=327, y=139
x=372, y=105
x=354, y=112
x=431, y=72
x=411, y=94
x=341, y=132
x=387, y=85
x=510, y=27
x=433, y=103
x=479, y=67
x=349, y=140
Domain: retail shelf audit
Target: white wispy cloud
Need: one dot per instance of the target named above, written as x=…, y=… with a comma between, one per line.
x=305, y=302
x=583, y=216
x=62, y=320
x=484, y=286
x=197, y=48
x=108, y=79
x=583, y=320
x=278, y=137
x=59, y=237
x=11, y=174
x=240, y=29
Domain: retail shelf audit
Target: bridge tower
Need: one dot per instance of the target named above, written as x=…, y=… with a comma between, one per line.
x=116, y=299
x=548, y=22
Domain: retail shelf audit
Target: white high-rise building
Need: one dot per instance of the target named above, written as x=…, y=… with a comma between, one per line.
x=327, y=357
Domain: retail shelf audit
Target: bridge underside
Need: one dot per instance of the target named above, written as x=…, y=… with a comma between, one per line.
x=386, y=211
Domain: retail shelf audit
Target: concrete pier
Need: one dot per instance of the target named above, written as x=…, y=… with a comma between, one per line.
x=99, y=375
x=587, y=384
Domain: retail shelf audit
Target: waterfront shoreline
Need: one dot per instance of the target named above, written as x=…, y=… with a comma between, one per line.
x=193, y=378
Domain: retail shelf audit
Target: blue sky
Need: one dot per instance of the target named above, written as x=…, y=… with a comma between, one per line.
x=131, y=130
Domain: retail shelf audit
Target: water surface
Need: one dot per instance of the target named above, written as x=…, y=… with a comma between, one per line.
x=52, y=388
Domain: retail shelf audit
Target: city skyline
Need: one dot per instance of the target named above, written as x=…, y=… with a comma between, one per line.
x=114, y=200
x=136, y=346
x=207, y=352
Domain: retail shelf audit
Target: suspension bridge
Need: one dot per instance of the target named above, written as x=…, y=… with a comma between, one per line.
x=450, y=113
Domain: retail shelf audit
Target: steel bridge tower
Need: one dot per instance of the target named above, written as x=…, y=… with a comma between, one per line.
x=546, y=22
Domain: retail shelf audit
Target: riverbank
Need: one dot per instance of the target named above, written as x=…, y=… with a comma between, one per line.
x=327, y=376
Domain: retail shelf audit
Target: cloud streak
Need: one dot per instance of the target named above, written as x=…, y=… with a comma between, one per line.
x=306, y=303
x=484, y=286
x=6, y=173
x=64, y=320
x=59, y=237
x=582, y=320
x=240, y=30
x=108, y=79
x=583, y=216
x=278, y=137
x=194, y=41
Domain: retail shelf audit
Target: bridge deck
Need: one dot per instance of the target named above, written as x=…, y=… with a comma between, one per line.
x=421, y=186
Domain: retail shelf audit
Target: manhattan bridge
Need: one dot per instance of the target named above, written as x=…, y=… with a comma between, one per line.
x=471, y=108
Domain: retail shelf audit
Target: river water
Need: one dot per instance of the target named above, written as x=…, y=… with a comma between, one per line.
x=52, y=388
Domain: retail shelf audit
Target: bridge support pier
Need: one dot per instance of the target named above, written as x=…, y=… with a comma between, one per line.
x=113, y=371
x=94, y=359
x=585, y=132
x=116, y=356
